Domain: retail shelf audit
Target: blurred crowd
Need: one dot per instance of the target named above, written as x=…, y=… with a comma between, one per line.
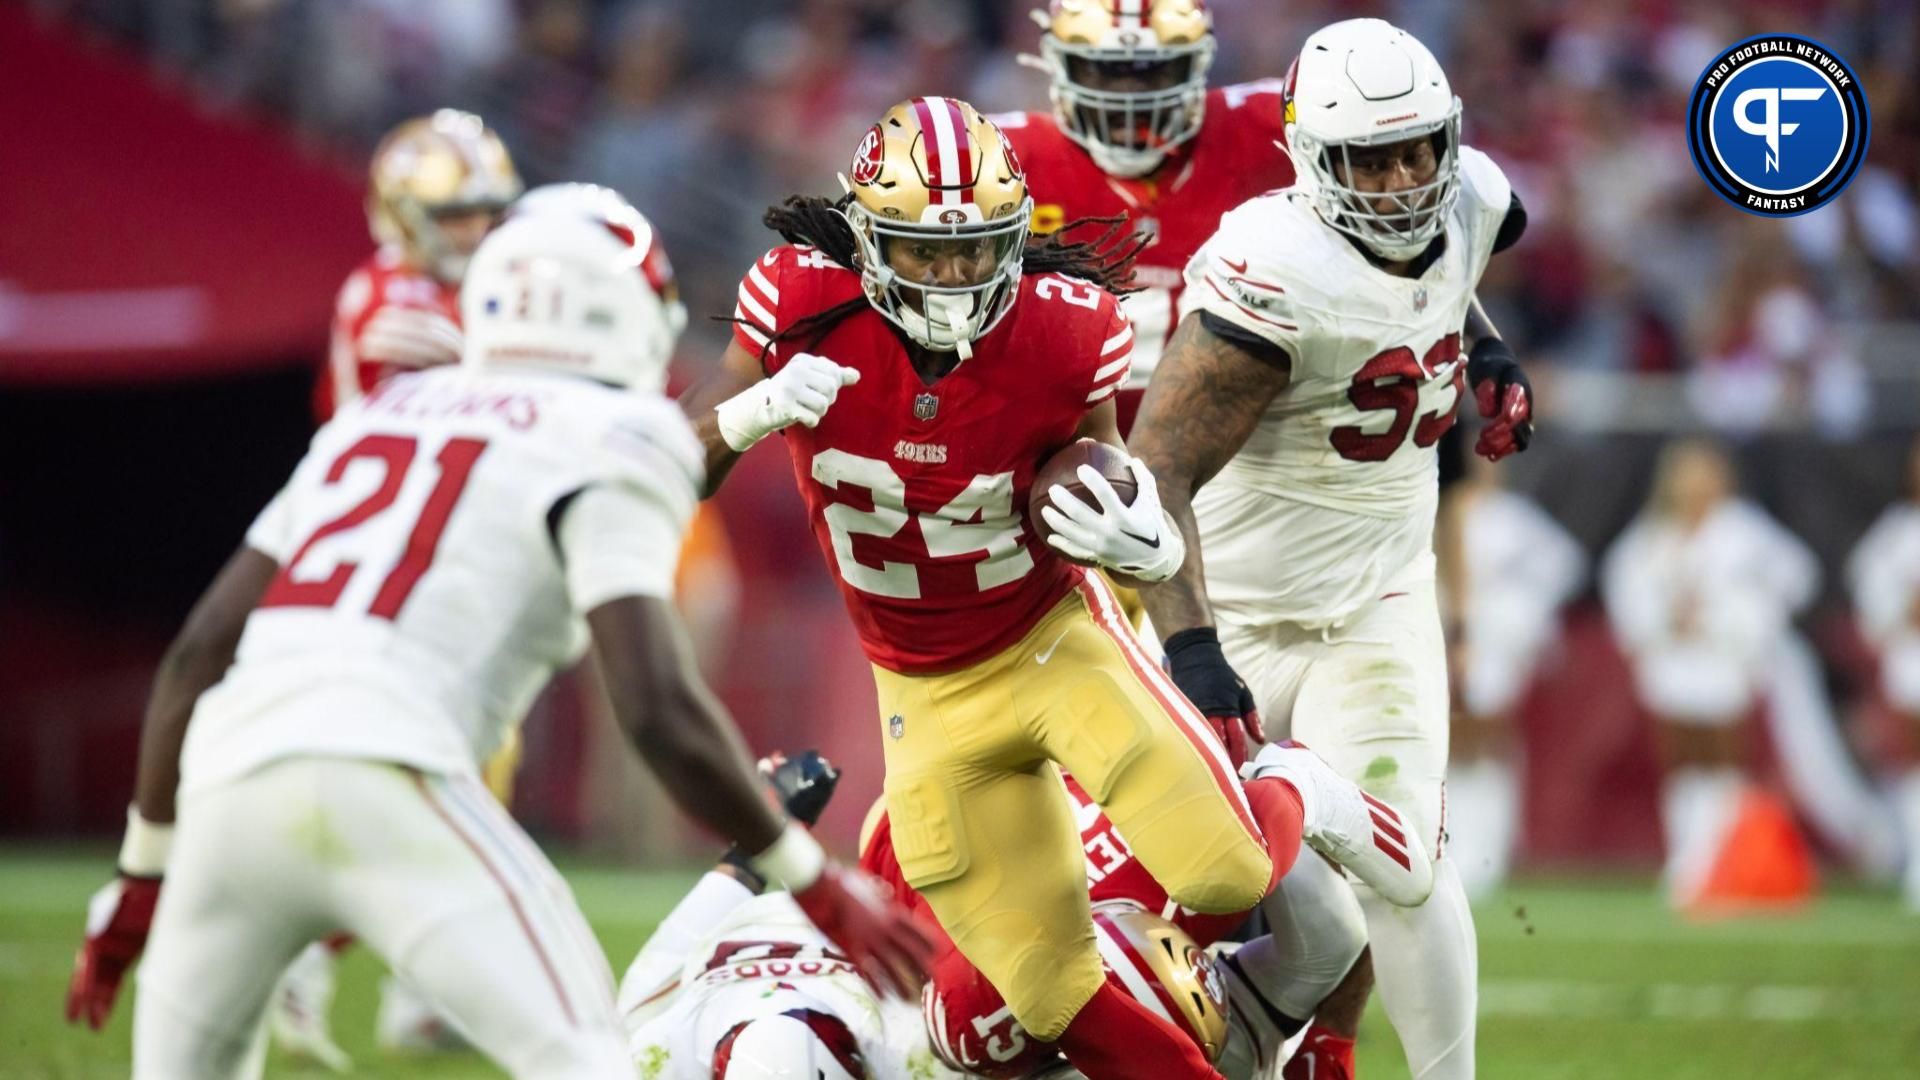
x=703, y=113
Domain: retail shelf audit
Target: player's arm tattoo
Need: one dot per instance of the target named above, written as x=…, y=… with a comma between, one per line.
x=1206, y=396
x=197, y=658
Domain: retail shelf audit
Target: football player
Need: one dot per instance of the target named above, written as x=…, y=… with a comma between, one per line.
x=922, y=361
x=448, y=542
x=736, y=984
x=1240, y=1009
x=436, y=185
x=1318, y=360
x=395, y=314
x=1135, y=132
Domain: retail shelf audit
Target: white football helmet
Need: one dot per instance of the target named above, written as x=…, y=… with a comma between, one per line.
x=564, y=293
x=1366, y=82
x=798, y=1044
x=609, y=208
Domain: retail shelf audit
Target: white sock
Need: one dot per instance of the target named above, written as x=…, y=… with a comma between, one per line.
x=1906, y=800
x=711, y=900
x=1426, y=963
x=1697, y=807
x=1483, y=797
x=1317, y=932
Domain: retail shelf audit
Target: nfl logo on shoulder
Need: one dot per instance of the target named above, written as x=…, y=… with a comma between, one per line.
x=925, y=406
x=896, y=725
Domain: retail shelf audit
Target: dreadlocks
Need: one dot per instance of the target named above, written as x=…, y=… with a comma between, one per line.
x=1105, y=260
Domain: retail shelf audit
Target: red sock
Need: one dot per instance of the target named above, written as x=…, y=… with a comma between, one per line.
x=1114, y=1037
x=1276, y=807
x=1323, y=1055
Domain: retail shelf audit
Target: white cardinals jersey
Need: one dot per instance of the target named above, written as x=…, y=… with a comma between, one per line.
x=1332, y=498
x=764, y=959
x=429, y=582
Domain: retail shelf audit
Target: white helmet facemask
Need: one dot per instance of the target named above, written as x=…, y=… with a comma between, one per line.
x=1393, y=225
x=1366, y=83
x=1128, y=133
x=943, y=318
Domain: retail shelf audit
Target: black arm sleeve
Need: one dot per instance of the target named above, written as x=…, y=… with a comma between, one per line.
x=1511, y=226
x=1254, y=345
x=1453, y=453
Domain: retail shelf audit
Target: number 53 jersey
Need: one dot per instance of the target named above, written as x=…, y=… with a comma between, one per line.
x=431, y=579
x=918, y=493
x=1331, y=500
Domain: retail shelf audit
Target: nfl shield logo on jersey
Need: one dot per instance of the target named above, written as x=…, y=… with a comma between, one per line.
x=1420, y=299
x=924, y=406
x=896, y=725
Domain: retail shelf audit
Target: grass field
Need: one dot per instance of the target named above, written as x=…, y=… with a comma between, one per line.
x=1578, y=980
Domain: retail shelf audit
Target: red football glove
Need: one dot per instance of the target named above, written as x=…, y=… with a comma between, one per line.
x=118, y=918
x=852, y=908
x=1201, y=671
x=1504, y=396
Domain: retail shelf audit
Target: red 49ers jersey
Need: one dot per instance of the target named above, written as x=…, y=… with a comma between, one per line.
x=388, y=318
x=918, y=493
x=1232, y=159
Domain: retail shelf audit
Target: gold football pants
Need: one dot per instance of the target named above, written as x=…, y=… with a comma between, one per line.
x=983, y=828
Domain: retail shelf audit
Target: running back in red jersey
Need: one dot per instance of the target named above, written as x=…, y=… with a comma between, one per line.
x=918, y=492
x=1238, y=153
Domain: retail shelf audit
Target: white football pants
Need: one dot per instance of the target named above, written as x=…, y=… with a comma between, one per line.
x=1371, y=698
x=428, y=871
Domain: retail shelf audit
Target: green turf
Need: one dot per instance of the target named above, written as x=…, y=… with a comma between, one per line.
x=1579, y=979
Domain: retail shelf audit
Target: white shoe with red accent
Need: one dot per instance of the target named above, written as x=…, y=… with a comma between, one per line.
x=1349, y=826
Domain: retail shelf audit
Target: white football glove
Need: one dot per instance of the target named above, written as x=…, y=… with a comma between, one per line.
x=799, y=393
x=1140, y=540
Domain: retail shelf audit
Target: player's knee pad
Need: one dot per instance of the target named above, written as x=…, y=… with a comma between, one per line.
x=928, y=839
x=1317, y=930
x=1233, y=878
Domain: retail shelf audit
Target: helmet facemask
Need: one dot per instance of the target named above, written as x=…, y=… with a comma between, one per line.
x=1128, y=132
x=943, y=318
x=1414, y=217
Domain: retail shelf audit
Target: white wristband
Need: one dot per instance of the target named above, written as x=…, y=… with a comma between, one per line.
x=795, y=859
x=143, y=853
x=743, y=417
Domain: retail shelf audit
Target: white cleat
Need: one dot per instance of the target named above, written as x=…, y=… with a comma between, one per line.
x=408, y=1023
x=298, y=1015
x=1365, y=835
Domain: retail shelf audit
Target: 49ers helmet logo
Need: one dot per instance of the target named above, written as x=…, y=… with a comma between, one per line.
x=867, y=158
x=953, y=217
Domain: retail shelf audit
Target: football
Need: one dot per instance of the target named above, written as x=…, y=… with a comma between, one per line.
x=1062, y=468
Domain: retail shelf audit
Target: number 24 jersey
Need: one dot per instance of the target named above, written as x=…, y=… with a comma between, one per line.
x=918, y=493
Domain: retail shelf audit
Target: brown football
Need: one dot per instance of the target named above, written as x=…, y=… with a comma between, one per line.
x=1063, y=469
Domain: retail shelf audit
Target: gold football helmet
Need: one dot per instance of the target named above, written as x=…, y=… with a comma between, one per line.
x=1156, y=962
x=939, y=213
x=1129, y=76
x=435, y=167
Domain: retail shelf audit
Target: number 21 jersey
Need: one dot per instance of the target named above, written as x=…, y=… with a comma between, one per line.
x=423, y=598
x=918, y=493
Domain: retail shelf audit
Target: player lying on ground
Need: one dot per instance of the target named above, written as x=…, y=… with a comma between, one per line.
x=923, y=360
x=445, y=545
x=1307, y=966
x=1318, y=361
x=736, y=984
